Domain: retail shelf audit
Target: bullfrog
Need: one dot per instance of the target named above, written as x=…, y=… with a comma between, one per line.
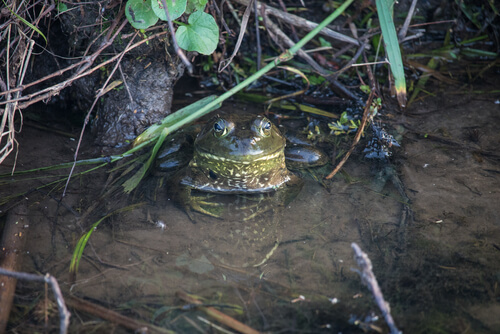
x=242, y=155
x=238, y=154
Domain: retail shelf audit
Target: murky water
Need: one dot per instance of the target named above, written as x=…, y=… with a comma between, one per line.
x=439, y=271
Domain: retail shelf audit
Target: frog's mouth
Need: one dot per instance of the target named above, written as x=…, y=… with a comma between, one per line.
x=255, y=173
x=242, y=159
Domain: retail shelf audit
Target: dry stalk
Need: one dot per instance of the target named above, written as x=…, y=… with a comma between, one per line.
x=7, y=125
x=299, y=22
x=361, y=128
x=100, y=93
x=55, y=89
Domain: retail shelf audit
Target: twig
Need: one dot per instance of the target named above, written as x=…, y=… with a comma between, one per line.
x=369, y=279
x=257, y=35
x=351, y=62
x=232, y=10
x=217, y=315
x=64, y=314
x=357, y=136
x=10, y=109
x=54, y=90
x=285, y=10
x=125, y=83
x=177, y=49
x=82, y=71
x=303, y=54
x=114, y=317
x=87, y=117
x=83, y=65
x=404, y=29
x=243, y=28
x=302, y=23
x=223, y=22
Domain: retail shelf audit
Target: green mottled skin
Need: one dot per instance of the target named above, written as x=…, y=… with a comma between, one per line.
x=238, y=154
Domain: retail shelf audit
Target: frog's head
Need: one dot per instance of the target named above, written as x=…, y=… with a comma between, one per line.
x=240, y=138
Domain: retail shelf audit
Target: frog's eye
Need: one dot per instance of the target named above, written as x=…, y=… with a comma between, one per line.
x=220, y=128
x=264, y=127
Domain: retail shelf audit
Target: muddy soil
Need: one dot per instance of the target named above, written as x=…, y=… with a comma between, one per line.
x=441, y=277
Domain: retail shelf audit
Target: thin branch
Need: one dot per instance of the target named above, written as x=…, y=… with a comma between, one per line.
x=177, y=49
x=302, y=23
x=87, y=117
x=357, y=136
x=369, y=279
x=114, y=317
x=216, y=314
x=223, y=22
x=404, y=29
x=64, y=314
x=243, y=28
x=331, y=77
x=54, y=90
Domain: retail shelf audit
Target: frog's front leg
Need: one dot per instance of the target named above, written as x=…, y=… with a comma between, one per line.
x=200, y=202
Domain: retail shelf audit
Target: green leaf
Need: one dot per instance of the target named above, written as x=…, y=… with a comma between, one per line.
x=139, y=14
x=195, y=5
x=392, y=48
x=470, y=10
x=324, y=42
x=201, y=34
x=61, y=7
x=344, y=118
x=175, y=9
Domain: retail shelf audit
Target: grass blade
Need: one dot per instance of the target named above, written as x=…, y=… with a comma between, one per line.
x=80, y=246
x=392, y=49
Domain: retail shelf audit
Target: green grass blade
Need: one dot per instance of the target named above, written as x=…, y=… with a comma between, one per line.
x=134, y=181
x=392, y=49
x=177, y=119
x=432, y=64
x=26, y=22
x=80, y=247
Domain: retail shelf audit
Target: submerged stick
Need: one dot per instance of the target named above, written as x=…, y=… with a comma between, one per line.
x=369, y=279
x=11, y=247
x=218, y=315
x=64, y=314
x=114, y=317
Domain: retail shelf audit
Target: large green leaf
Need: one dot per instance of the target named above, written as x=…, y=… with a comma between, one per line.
x=201, y=34
x=140, y=14
x=175, y=8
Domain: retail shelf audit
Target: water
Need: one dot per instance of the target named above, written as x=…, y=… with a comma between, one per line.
x=439, y=271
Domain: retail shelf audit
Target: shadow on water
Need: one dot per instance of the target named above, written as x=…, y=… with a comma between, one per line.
x=441, y=276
